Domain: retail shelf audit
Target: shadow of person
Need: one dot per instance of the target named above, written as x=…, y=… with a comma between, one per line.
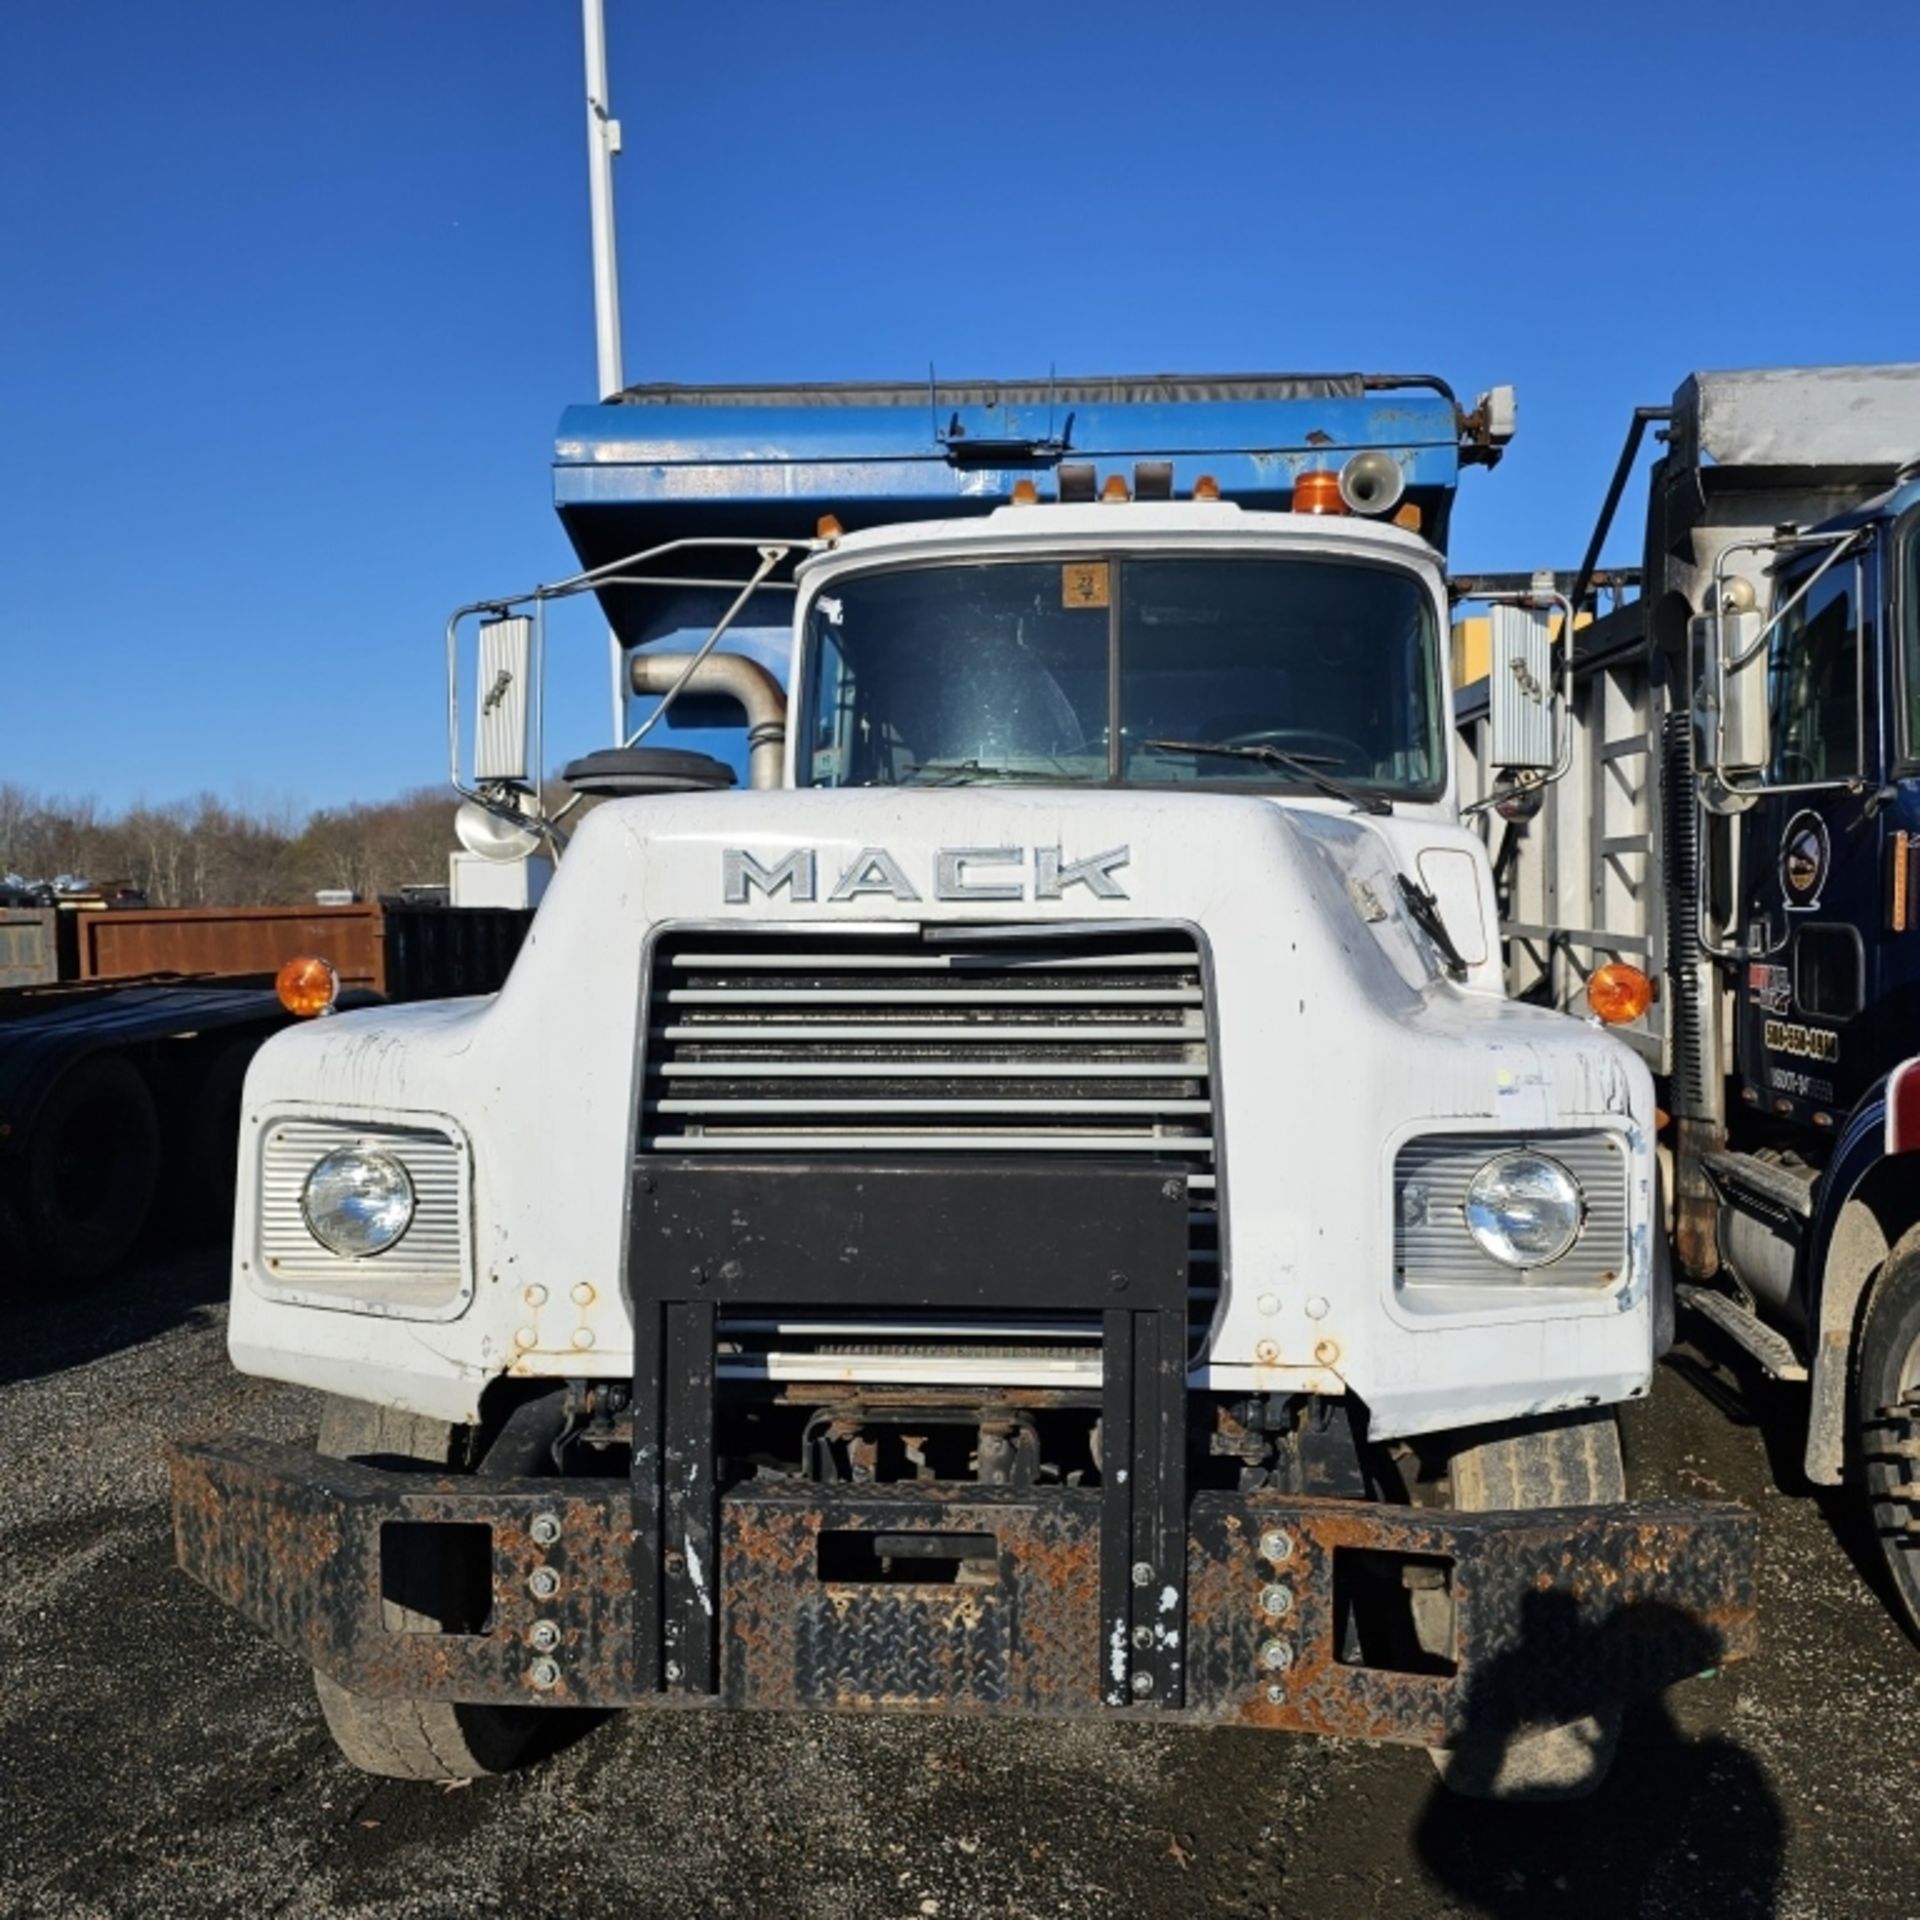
x=1691, y=1821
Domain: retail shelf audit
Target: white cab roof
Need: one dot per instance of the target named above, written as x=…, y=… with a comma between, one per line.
x=1211, y=524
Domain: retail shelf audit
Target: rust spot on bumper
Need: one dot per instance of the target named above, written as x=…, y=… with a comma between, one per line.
x=1018, y=1632
x=294, y=1542
x=1553, y=1615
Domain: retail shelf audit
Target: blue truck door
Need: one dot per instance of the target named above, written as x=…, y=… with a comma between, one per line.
x=1813, y=860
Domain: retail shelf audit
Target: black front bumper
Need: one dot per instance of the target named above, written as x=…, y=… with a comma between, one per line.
x=1555, y=1614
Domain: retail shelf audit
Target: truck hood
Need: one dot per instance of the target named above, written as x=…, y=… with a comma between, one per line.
x=1337, y=1037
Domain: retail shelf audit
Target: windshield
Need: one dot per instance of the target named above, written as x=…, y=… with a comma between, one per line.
x=1115, y=669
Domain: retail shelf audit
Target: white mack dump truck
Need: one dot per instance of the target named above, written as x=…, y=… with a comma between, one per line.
x=1040, y=1203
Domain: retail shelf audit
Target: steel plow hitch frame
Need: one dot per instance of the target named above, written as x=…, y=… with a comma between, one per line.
x=1553, y=1614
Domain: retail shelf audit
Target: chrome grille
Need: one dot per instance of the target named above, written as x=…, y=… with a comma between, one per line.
x=938, y=1041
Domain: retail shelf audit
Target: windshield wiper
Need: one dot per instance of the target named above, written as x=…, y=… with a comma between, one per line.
x=956, y=773
x=1424, y=910
x=1302, y=766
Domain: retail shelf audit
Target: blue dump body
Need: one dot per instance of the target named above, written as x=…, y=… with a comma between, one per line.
x=663, y=463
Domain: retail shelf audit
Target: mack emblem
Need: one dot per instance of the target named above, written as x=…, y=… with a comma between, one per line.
x=959, y=873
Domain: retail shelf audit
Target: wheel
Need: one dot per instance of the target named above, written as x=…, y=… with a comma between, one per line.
x=1563, y=1460
x=1887, y=1409
x=408, y=1739
x=83, y=1187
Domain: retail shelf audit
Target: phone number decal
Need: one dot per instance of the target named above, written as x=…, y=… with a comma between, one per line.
x=1804, y=1043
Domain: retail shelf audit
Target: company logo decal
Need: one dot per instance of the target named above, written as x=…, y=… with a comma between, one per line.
x=958, y=873
x=1806, y=851
x=1769, y=988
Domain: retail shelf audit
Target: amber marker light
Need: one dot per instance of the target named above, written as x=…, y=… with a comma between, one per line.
x=1619, y=993
x=1025, y=494
x=307, y=985
x=1318, y=492
x=828, y=528
x=1206, y=488
x=1115, y=490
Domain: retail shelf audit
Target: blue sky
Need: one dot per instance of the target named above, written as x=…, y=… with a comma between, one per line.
x=295, y=295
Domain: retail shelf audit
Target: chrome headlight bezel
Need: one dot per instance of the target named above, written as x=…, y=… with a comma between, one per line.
x=358, y=1201
x=1441, y=1267
x=427, y=1274
x=1559, y=1201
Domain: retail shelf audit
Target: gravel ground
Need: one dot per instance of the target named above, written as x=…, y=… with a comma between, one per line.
x=157, y=1757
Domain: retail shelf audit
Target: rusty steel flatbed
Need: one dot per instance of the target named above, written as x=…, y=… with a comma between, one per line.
x=1554, y=1614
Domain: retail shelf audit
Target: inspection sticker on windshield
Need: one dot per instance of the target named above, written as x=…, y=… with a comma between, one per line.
x=1083, y=583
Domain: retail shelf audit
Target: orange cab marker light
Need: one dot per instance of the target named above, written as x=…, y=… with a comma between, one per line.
x=1206, y=488
x=1025, y=494
x=1115, y=489
x=1408, y=516
x=828, y=528
x=1619, y=993
x=307, y=985
x=1318, y=492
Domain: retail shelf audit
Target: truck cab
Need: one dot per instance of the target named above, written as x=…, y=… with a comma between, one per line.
x=1037, y=1202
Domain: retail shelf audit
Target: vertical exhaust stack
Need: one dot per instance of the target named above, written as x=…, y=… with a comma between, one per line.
x=603, y=142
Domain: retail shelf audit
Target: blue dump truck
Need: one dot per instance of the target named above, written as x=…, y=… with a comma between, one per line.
x=1039, y=1203
x=1726, y=844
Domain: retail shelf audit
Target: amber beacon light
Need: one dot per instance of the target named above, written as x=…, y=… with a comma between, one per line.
x=1318, y=492
x=1619, y=993
x=307, y=985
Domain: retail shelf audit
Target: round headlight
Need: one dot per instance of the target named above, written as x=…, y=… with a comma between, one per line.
x=357, y=1201
x=1524, y=1209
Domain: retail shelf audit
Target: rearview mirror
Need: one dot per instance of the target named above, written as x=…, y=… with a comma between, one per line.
x=1520, y=706
x=1732, y=736
x=501, y=749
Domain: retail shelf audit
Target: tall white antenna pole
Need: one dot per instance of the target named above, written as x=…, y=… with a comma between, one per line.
x=603, y=142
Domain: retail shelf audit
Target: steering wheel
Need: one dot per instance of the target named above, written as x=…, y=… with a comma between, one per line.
x=1348, y=752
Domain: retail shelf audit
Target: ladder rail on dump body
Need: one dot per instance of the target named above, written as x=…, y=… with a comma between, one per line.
x=1582, y=882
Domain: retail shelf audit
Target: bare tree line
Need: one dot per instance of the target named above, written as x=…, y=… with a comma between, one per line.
x=208, y=852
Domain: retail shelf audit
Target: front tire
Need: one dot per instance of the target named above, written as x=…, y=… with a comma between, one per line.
x=397, y=1737
x=1563, y=1460
x=1887, y=1411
